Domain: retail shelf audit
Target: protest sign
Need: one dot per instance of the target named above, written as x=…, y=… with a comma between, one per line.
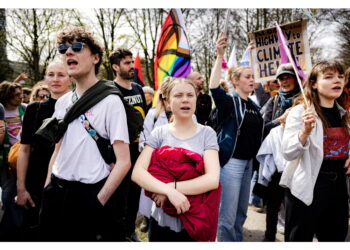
x=266, y=55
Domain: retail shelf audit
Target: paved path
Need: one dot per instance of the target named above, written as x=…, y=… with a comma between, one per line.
x=254, y=228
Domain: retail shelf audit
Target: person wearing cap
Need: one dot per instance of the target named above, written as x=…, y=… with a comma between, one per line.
x=149, y=94
x=275, y=114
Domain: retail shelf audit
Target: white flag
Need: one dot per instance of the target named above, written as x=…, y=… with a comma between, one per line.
x=232, y=61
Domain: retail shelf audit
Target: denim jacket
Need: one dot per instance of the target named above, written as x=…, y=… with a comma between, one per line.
x=232, y=107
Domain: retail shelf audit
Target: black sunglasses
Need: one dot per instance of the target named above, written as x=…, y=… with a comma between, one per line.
x=43, y=95
x=76, y=47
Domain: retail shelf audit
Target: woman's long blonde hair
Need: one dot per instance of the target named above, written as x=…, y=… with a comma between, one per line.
x=41, y=85
x=312, y=96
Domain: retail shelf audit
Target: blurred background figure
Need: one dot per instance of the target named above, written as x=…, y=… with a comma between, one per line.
x=26, y=94
x=40, y=92
x=272, y=87
x=149, y=94
x=204, y=102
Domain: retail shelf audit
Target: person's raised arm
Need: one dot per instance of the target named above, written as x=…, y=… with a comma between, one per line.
x=215, y=76
x=20, y=77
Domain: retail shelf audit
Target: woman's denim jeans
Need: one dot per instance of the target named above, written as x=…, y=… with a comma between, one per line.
x=253, y=198
x=235, y=180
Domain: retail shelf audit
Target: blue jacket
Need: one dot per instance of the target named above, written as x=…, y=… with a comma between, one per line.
x=232, y=107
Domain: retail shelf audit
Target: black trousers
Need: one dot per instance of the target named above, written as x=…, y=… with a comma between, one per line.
x=157, y=233
x=132, y=193
x=132, y=206
x=70, y=211
x=326, y=217
x=30, y=223
x=274, y=200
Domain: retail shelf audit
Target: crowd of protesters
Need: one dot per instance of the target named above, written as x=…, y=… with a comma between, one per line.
x=196, y=163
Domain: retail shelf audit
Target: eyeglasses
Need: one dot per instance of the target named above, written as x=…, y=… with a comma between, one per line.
x=42, y=96
x=76, y=47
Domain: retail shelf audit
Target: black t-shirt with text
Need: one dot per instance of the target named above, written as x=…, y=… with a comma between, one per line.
x=40, y=156
x=249, y=134
x=136, y=98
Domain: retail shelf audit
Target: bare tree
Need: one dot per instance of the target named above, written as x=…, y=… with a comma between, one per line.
x=340, y=18
x=5, y=69
x=31, y=37
x=204, y=26
x=146, y=24
x=108, y=23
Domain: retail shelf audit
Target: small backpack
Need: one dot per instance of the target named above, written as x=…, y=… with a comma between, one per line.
x=214, y=121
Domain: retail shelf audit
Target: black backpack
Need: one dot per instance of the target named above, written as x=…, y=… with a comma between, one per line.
x=213, y=120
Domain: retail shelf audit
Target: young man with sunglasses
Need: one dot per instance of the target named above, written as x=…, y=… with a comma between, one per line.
x=122, y=64
x=78, y=200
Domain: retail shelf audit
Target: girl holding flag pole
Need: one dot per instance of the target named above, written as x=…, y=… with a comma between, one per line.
x=315, y=144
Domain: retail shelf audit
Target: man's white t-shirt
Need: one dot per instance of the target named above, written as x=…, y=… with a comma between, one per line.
x=79, y=158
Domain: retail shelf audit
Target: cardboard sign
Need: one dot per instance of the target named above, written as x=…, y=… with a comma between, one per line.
x=266, y=56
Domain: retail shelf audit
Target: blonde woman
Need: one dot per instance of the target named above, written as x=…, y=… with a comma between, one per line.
x=33, y=159
x=40, y=92
x=239, y=139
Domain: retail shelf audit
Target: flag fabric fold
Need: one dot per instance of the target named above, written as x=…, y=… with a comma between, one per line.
x=245, y=60
x=232, y=61
x=283, y=44
x=173, y=52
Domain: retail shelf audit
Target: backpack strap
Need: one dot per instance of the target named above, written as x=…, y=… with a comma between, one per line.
x=90, y=98
x=103, y=145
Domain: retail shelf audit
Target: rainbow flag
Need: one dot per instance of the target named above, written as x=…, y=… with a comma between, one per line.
x=173, y=52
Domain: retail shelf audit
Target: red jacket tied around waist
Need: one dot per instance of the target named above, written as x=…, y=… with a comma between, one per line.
x=169, y=164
